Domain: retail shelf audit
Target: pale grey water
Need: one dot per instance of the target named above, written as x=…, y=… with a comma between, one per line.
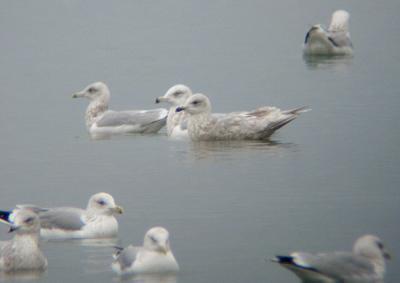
x=327, y=178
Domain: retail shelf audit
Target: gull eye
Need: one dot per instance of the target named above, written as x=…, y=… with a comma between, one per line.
x=101, y=202
x=154, y=240
x=177, y=93
x=196, y=102
x=380, y=245
x=29, y=220
x=91, y=90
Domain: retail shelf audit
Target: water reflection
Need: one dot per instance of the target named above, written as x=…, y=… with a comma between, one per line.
x=225, y=149
x=148, y=278
x=21, y=276
x=336, y=63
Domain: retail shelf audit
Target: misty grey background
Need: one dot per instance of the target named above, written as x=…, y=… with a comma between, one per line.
x=327, y=178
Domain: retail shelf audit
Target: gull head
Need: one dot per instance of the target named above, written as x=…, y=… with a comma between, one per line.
x=176, y=95
x=196, y=104
x=340, y=21
x=94, y=91
x=25, y=221
x=371, y=247
x=103, y=203
x=157, y=239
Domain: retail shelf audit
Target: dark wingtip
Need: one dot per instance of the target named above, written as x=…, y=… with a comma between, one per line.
x=5, y=216
x=283, y=259
x=157, y=100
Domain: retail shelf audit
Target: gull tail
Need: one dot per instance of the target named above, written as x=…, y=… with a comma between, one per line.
x=5, y=216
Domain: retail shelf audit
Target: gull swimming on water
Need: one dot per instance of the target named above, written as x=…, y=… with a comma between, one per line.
x=96, y=221
x=258, y=124
x=176, y=122
x=155, y=256
x=334, y=41
x=101, y=121
x=366, y=263
x=22, y=252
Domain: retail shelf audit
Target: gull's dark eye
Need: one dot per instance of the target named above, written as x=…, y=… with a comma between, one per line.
x=196, y=102
x=91, y=90
x=380, y=245
x=101, y=202
x=154, y=240
x=177, y=93
x=29, y=220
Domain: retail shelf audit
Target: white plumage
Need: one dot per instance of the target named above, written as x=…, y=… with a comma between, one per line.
x=334, y=41
x=100, y=121
x=22, y=253
x=366, y=263
x=155, y=256
x=258, y=124
x=176, y=122
x=96, y=221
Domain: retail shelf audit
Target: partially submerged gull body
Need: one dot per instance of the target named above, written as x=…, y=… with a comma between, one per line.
x=176, y=121
x=96, y=221
x=258, y=124
x=101, y=121
x=22, y=252
x=155, y=256
x=333, y=41
x=366, y=263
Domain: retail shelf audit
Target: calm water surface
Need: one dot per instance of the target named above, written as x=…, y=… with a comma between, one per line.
x=325, y=179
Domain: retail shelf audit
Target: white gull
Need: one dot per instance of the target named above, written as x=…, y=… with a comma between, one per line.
x=258, y=124
x=22, y=252
x=366, y=263
x=96, y=221
x=101, y=121
x=334, y=41
x=155, y=256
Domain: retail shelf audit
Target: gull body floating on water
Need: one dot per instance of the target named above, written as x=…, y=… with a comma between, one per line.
x=96, y=221
x=176, y=122
x=155, y=256
x=22, y=253
x=366, y=263
x=258, y=124
x=334, y=41
x=101, y=121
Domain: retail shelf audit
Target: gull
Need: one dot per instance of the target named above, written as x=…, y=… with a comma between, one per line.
x=101, y=121
x=22, y=252
x=155, y=256
x=334, y=41
x=366, y=263
x=258, y=124
x=96, y=221
x=176, y=122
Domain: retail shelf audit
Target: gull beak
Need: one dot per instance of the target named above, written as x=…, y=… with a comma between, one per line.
x=117, y=209
x=179, y=109
x=164, y=250
x=78, y=94
x=13, y=228
x=160, y=99
x=387, y=255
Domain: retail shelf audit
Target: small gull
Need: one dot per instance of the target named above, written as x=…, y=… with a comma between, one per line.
x=96, y=221
x=176, y=122
x=101, y=121
x=155, y=256
x=22, y=252
x=334, y=41
x=258, y=124
x=365, y=264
